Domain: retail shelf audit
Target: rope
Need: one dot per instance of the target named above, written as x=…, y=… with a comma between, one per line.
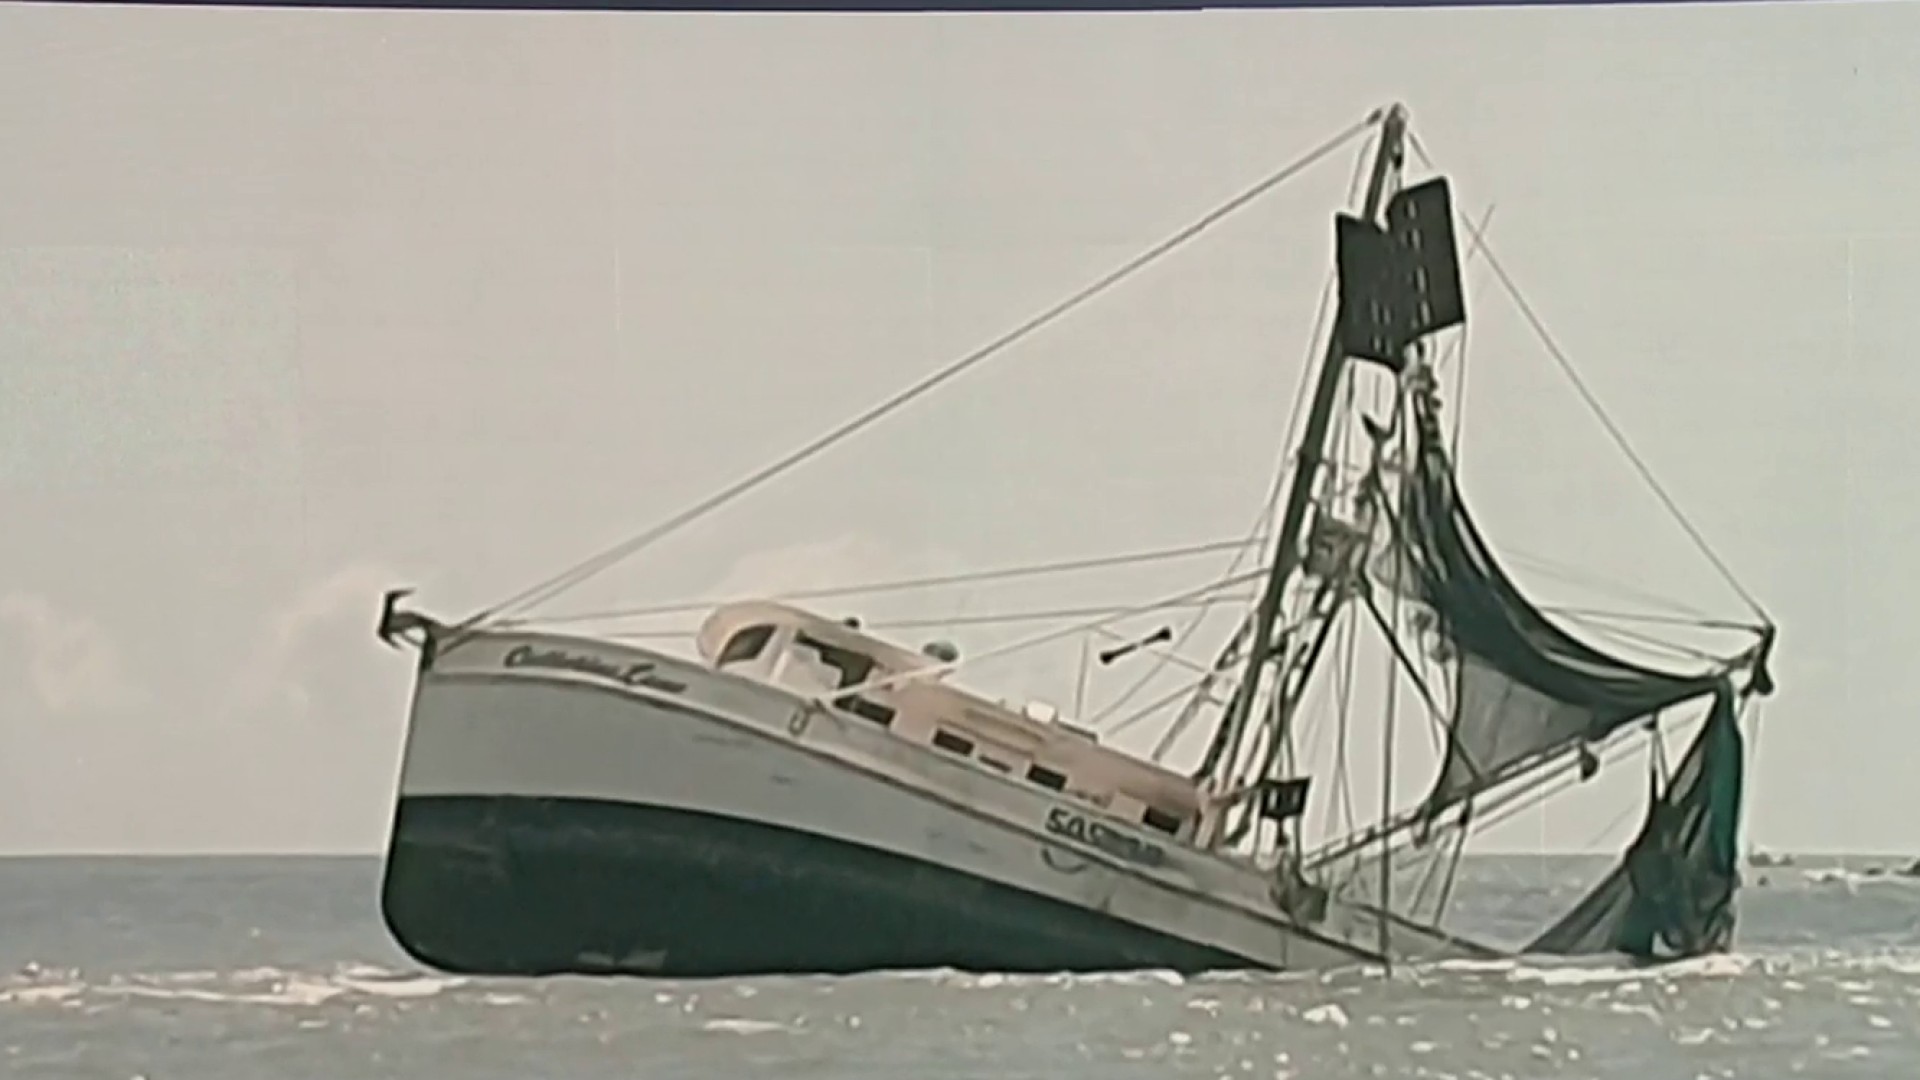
x=608, y=558
x=1343, y=775
x=936, y=670
x=1652, y=620
x=1262, y=526
x=1613, y=589
x=1096, y=562
x=1592, y=402
x=1460, y=373
x=1172, y=697
x=1652, y=643
x=1263, y=522
x=1557, y=778
x=1620, y=439
x=993, y=619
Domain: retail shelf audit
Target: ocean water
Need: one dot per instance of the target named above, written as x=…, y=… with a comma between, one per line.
x=279, y=969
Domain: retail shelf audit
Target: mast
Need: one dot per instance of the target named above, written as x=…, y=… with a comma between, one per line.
x=1311, y=455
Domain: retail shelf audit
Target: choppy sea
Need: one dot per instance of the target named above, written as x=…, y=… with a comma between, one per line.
x=209, y=969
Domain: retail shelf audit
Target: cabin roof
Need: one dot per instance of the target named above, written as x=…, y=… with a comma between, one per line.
x=953, y=705
x=729, y=619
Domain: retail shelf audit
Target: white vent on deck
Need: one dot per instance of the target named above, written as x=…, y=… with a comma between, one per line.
x=1076, y=730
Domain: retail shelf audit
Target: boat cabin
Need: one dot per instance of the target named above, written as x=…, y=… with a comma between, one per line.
x=816, y=656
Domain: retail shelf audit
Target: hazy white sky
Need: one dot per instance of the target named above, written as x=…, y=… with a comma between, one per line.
x=295, y=306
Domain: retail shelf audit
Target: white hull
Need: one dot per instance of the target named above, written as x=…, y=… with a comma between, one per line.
x=645, y=731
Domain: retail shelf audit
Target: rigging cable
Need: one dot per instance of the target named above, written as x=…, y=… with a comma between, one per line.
x=1608, y=588
x=1066, y=566
x=1003, y=618
x=1048, y=637
x=1150, y=709
x=1263, y=524
x=610, y=557
x=1619, y=437
x=1460, y=347
x=1347, y=651
x=1652, y=643
x=1522, y=797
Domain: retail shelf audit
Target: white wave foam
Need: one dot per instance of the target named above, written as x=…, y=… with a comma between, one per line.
x=961, y=980
x=254, y=986
x=1547, y=972
x=735, y=1025
x=1703, y=967
x=1329, y=1014
x=1851, y=880
x=41, y=995
x=400, y=986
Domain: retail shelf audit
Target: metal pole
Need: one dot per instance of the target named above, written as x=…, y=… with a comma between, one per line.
x=1080, y=690
x=1312, y=452
x=1386, y=812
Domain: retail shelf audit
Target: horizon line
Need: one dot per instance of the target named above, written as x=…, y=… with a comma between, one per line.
x=24, y=855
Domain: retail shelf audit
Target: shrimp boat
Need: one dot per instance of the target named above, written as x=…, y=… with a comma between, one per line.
x=804, y=795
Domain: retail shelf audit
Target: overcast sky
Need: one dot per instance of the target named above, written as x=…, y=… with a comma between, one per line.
x=296, y=306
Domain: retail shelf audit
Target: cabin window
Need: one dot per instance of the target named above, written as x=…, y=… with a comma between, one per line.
x=1047, y=778
x=995, y=763
x=745, y=645
x=951, y=743
x=852, y=668
x=866, y=709
x=1155, y=818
